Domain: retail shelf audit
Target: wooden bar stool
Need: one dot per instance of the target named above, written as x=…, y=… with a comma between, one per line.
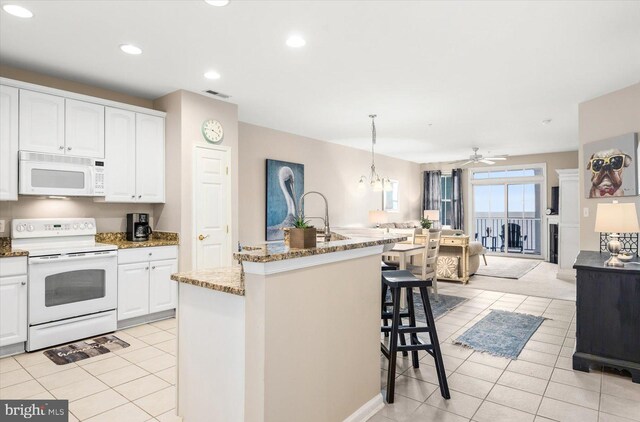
x=396, y=281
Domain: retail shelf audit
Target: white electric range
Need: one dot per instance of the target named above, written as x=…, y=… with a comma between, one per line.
x=73, y=280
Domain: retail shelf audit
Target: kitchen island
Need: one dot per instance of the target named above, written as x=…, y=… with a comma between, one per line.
x=293, y=337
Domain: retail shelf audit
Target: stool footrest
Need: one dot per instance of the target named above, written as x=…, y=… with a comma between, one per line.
x=406, y=330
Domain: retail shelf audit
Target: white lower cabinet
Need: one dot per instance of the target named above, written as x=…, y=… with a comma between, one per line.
x=13, y=300
x=133, y=290
x=144, y=281
x=163, y=292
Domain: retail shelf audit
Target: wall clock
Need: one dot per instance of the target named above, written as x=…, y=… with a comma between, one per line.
x=212, y=131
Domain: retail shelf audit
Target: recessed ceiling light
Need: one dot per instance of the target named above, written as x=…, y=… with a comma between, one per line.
x=131, y=49
x=218, y=3
x=546, y=121
x=296, y=41
x=19, y=11
x=212, y=75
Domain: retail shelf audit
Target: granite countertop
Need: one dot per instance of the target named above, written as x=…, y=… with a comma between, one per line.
x=156, y=239
x=278, y=251
x=227, y=279
x=7, y=251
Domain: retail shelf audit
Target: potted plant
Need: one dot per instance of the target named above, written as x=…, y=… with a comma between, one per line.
x=426, y=225
x=302, y=235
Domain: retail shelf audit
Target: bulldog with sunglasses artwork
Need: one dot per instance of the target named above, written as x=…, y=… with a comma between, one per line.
x=607, y=169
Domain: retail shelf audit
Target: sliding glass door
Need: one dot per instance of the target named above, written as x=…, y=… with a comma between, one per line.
x=507, y=210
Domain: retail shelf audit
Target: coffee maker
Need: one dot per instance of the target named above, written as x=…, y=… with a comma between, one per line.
x=138, y=228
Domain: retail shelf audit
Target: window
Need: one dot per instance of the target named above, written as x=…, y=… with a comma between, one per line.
x=390, y=199
x=446, y=193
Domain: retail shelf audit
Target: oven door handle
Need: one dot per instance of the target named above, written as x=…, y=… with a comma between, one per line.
x=74, y=257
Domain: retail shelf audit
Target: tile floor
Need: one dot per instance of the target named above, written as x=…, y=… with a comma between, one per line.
x=539, y=386
x=134, y=384
x=138, y=383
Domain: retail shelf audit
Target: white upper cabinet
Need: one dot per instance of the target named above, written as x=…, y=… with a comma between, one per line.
x=120, y=155
x=129, y=138
x=8, y=143
x=41, y=122
x=149, y=158
x=84, y=129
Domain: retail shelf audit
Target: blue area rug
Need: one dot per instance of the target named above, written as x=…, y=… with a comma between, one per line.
x=439, y=306
x=501, y=333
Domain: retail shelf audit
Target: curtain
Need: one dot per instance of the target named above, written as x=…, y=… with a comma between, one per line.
x=457, y=202
x=431, y=195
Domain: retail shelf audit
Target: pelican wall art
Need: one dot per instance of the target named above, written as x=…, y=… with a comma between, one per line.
x=285, y=185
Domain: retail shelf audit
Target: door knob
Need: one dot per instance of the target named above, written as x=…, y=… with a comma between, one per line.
x=201, y=237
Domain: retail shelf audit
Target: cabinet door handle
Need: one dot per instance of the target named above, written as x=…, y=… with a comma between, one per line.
x=133, y=197
x=24, y=283
x=150, y=253
x=68, y=148
x=147, y=268
x=61, y=147
x=139, y=196
x=153, y=268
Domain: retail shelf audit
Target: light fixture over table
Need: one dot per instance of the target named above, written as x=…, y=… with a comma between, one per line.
x=378, y=183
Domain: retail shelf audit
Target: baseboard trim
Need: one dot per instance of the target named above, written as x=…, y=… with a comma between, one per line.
x=144, y=319
x=367, y=410
x=566, y=275
x=12, y=349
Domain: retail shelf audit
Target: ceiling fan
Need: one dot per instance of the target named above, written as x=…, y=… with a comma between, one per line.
x=476, y=158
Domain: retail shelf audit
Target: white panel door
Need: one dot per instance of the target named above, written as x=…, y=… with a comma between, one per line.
x=133, y=290
x=8, y=143
x=211, y=196
x=120, y=155
x=41, y=122
x=163, y=292
x=84, y=129
x=13, y=310
x=149, y=158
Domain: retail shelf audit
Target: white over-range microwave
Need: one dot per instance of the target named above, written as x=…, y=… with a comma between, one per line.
x=60, y=175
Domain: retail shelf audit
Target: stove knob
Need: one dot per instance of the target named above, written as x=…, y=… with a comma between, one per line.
x=20, y=227
x=75, y=226
x=89, y=225
x=30, y=228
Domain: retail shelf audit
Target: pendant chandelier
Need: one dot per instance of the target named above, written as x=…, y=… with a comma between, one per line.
x=376, y=182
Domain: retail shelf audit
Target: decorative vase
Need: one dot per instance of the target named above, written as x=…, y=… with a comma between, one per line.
x=302, y=238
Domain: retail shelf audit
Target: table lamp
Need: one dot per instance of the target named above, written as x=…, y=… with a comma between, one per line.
x=614, y=219
x=431, y=215
x=378, y=217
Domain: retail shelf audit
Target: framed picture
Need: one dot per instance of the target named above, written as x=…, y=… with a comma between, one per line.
x=611, y=167
x=285, y=186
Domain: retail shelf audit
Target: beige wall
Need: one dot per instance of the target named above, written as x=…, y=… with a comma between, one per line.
x=610, y=115
x=554, y=161
x=67, y=85
x=186, y=111
x=331, y=169
x=109, y=217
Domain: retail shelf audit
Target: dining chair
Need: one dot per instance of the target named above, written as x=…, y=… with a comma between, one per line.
x=428, y=268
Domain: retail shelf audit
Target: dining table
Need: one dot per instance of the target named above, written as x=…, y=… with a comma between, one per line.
x=403, y=252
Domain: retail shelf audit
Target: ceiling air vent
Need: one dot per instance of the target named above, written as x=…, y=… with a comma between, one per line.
x=218, y=94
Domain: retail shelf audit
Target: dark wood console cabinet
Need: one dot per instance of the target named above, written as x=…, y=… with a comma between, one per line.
x=608, y=315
